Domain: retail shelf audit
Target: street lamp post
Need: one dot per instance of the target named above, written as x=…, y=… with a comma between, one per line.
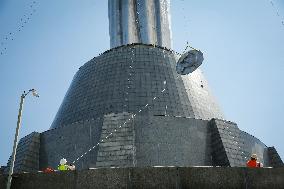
x=33, y=91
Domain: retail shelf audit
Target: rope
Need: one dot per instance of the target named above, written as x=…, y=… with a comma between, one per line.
x=25, y=19
x=277, y=11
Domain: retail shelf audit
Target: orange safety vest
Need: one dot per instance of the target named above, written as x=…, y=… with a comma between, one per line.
x=253, y=163
x=48, y=170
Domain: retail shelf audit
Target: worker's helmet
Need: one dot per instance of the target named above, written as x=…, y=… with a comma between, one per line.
x=254, y=156
x=63, y=161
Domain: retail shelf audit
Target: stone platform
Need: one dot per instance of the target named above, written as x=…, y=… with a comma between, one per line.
x=153, y=177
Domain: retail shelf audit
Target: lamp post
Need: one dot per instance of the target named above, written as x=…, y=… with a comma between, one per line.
x=34, y=93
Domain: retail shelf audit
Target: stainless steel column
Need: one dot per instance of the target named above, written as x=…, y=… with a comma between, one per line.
x=139, y=21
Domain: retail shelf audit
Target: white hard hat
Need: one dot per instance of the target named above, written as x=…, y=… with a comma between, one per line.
x=63, y=161
x=254, y=156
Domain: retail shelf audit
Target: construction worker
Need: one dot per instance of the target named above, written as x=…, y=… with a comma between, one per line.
x=63, y=166
x=48, y=170
x=253, y=161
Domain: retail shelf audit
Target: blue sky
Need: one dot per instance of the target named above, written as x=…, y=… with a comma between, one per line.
x=242, y=41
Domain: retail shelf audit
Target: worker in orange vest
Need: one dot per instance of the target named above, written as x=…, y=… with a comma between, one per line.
x=48, y=170
x=253, y=161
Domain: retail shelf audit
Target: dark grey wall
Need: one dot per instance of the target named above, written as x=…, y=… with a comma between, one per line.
x=252, y=145
x=162, y=177
x=27, y=156
x=70, y=142
x=274, y=158
x=126, y=140
x=117, y=147
x=171, y=141
x=127, y=78
x=143, y=141
x=150, y=141
x=233, y=147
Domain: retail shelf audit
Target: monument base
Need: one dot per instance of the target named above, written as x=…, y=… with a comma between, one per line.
x=143, y=141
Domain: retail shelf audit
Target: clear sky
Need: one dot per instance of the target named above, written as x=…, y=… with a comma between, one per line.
x=242, y=41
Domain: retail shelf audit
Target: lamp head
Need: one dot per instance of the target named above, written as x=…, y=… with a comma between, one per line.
x=34, y=92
